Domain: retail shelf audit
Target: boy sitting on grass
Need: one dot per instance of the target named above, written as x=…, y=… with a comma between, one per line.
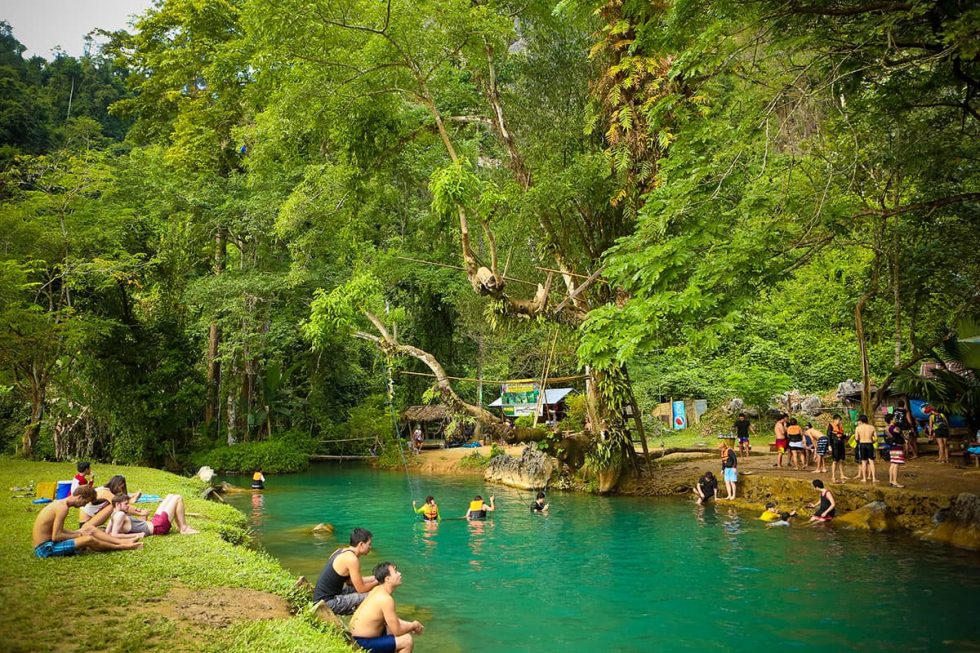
x=51, y=538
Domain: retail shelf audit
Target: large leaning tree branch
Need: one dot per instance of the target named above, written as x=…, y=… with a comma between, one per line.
x=497, y=427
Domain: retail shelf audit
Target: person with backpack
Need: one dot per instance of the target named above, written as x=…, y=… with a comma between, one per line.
x=939, y=431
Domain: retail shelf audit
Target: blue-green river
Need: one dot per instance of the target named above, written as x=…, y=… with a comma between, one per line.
x=622, y=573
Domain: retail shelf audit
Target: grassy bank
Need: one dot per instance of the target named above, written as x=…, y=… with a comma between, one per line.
x=180, y=593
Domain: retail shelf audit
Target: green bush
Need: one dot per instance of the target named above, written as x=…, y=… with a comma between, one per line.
x=575, y=414
x=272, y=457
x=473, y=461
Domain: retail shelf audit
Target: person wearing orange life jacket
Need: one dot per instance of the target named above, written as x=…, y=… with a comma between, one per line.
x=429, y=509
x=258, y=480
x=478, y=509
x=797, y=447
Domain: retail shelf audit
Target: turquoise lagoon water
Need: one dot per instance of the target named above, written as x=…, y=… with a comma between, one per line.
x=623, y=573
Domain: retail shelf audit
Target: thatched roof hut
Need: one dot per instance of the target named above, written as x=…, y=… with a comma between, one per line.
x=431, y=413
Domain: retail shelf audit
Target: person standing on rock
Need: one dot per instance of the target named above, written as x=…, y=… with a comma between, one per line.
x=838, y=451
x=896, y=449
x=903, y=418
x=729, y=470
x=781, y=441
x=939, y=431
x=866, y=437
x=743, y=427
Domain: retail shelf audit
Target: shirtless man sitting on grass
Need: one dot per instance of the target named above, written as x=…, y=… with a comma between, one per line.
x=375, y=625
x=171, y=511
x=51, y=538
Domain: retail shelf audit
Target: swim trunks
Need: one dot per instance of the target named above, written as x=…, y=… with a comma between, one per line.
x=161, y=523
x=51, y=549
x=781, y=446
x=822, y=445
x=383, y=644
x=867, y=450
x=731, y=476
x=897, y=455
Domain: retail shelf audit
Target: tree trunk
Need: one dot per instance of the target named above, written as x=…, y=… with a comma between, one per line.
x=33, y=428
x=866, y=399
x=214, y=340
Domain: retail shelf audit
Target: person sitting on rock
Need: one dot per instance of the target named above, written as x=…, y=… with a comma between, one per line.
x=376, y=625
x=340, y=584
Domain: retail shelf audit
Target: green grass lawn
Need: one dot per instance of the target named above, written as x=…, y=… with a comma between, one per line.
x=119, y=601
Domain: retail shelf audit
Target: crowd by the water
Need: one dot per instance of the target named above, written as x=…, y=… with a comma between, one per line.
x=109, y=518
x=805, y=446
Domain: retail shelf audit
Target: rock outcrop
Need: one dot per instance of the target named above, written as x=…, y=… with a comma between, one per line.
x=958, y=525
x=531, y=471
x=874, y=516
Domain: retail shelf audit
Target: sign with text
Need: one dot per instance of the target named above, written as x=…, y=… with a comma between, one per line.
x=519, y=398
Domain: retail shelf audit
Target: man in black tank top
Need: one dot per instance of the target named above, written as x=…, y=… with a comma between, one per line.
x=340, y=584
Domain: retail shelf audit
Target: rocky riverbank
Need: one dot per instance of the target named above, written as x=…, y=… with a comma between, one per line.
x=939, y=503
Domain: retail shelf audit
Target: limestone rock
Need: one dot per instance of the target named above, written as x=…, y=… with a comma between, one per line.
x=325, y=614
x=533, y=470
x=959, y=525
x=206, y=474
x=875, y=516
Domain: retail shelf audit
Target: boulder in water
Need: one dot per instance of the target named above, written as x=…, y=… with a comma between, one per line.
x=323, y=528
x=534, y=469
x=874, y=516
x=206, y=474
x=958, y=525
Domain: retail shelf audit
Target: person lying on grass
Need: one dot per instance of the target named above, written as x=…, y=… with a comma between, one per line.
x=51, y=538
x=171, y=511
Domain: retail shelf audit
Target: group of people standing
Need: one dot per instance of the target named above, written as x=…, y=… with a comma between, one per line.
x=806, y=445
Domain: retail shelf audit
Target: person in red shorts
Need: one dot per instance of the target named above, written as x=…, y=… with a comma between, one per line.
x=169, y=514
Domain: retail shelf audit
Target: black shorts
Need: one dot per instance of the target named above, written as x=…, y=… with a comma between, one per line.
x=866, y=451
x=838, y=452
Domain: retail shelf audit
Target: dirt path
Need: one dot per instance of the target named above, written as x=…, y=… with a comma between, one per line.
x=447, y=461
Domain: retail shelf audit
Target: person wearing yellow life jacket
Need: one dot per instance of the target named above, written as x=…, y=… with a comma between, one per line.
x=478, y=509
x=258, y=480
x=429, y=509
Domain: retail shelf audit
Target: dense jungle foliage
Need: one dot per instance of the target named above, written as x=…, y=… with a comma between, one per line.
x=240, y=219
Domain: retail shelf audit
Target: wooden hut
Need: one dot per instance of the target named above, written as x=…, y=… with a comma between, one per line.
x=432, y=419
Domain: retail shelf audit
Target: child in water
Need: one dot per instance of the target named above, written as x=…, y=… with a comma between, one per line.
x=258, y=480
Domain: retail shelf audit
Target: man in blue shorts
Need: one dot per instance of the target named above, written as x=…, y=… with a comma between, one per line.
x=51, y=539
x=375, y=625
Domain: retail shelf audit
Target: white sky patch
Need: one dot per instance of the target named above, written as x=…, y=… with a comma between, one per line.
x=43, y=25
